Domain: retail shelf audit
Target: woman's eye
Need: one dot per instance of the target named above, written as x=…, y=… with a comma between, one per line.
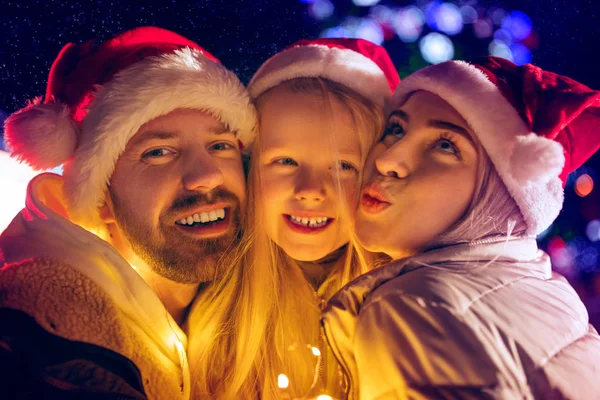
x=395, y=130
x=447, y=146
x=222, y=146
x=156, y=153
x=286, y=161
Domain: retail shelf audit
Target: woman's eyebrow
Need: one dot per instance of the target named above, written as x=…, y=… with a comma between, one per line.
x=400, y=114
x=434, y=123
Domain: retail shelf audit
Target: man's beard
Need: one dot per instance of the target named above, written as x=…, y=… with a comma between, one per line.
x=172, y=254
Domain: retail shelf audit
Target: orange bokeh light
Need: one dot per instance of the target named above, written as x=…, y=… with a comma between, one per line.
x=584, y=185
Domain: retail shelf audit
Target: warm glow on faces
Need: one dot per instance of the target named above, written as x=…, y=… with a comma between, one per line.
x=304, y=149
x=419, y=179
x=178, y=166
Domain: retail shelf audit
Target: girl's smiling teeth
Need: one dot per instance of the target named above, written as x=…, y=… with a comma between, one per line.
x=313, y=222
x=203, y=217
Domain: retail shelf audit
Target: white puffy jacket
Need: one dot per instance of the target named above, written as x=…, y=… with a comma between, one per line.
x=482, y=320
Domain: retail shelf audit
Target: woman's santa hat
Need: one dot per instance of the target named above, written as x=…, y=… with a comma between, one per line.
x=99, y=95
x=357, y=64
x=536, y=126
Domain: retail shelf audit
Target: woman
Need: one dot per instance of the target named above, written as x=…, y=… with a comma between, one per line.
x=320, y=111
x=455, y=193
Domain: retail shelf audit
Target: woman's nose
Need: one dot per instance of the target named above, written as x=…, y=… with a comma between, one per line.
x=393, y=162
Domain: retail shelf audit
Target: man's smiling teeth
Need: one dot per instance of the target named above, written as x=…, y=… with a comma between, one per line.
x=203, y=217
x=312, y=222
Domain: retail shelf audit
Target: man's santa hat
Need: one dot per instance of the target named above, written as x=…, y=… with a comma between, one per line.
x=99, y=95
x=536, y=126
x=357, y=64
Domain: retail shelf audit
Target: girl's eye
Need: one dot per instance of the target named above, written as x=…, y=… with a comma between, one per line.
x=347, y=166
x=221, y=146
x=157, y=153
x=393, y=129
x=286, y=161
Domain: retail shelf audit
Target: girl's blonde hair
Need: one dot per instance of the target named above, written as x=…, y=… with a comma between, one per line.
x=264, y=316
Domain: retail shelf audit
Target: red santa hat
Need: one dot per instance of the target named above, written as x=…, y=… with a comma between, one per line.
x=536, y=126
x=357, y=64
x=100, y=94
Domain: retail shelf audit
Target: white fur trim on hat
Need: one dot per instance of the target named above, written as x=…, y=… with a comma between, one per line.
x=343, y=66
x=41, y=135
x=527, y=163
x=148, y=89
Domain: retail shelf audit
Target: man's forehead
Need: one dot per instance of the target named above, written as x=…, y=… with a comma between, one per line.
x=179, y=123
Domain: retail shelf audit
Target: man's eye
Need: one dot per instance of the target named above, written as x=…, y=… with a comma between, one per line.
x=221, y=146
x=286, y=161
x=156, y=153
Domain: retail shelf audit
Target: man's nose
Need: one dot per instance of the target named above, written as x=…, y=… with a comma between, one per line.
x=202, y=174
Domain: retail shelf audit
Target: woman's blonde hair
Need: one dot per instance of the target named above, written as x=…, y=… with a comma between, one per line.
x=264, y=316
x=492, y=212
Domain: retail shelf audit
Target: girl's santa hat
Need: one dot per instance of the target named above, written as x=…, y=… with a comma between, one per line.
x=536, y=126
x=100, y=94
x=357, y=64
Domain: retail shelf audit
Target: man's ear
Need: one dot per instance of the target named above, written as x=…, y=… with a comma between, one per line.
x=106, y=212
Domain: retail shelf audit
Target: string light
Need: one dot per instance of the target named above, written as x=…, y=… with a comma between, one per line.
x=324, y=397
x=315, y=351
x=282, y=381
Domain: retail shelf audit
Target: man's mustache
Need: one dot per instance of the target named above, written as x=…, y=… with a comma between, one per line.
x=192, y=201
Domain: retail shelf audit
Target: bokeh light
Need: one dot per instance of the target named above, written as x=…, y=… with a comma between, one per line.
x=370, y=31
x=498, y=15
x=503, y=35
x=469, y=14
x=365, y=3
x=408, y=24
x=335, y=32
x=521, y=54
x=518, y=24
x=382, y=14
x=448, y=18
x=500, y=49
x=436, y=48
x=592, y=230
x=321, y=9
x=483, y=28
x=584, y=185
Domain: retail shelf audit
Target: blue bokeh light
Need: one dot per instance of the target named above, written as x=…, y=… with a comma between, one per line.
x=521, y=54
x=321, y=9
x=448, y=18
x=469, y=14
x=500, y=49
x=365, y=3
x=370, y=30
x=408, y=24
x=436, y=48
x=518, y=24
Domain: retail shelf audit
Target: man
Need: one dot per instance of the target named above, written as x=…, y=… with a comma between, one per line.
x=150, y=129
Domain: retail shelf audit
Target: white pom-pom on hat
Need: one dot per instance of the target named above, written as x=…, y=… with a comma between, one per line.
x=43, y=136
x=536, y=159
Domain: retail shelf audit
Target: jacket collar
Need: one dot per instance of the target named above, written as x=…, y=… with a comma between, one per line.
x=43, y=229
x=463, y=256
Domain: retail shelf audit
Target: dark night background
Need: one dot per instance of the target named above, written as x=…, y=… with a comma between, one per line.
x=242, y=34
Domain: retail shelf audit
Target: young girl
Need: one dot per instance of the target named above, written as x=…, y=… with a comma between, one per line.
x=455, y=192
x=320, y=105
